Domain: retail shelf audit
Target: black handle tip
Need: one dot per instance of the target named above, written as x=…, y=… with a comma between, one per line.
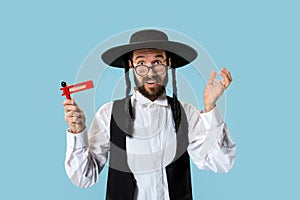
x=63, y=84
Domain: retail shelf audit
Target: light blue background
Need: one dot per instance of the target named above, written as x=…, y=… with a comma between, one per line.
x=44, y=42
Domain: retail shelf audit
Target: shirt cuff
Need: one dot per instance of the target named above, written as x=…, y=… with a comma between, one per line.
x=211, y=119
x=78, y=140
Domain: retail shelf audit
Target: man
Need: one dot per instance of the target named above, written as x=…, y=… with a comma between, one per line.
x=150, y=137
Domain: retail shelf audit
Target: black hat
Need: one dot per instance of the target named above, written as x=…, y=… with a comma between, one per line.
x=182, y=54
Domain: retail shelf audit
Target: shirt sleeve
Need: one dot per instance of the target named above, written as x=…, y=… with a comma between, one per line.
x=210, y=144
x=87, y=151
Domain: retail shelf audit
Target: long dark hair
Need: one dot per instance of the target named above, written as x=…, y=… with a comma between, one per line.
x=128, y=105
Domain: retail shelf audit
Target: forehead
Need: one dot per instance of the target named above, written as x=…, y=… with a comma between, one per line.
x=148, y=53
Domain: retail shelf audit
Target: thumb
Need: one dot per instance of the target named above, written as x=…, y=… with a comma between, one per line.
x=73, y=102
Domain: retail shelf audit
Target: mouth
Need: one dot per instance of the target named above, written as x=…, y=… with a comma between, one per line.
x=151, y=83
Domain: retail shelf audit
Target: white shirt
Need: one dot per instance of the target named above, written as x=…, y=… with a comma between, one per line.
x=152, y=147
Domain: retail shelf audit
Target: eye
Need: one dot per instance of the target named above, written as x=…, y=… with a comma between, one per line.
x=141, y=63
x=156, y=62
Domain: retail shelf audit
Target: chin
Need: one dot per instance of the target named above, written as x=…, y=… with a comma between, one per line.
x=152, y=93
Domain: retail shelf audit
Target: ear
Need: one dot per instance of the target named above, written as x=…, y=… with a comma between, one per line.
x=130, y=64
x=170, y=63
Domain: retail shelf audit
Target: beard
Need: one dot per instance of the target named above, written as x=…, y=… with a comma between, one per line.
x=154, y=92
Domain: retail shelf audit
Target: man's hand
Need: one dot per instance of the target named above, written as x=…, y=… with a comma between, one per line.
x=215, y=88
x=74, y=116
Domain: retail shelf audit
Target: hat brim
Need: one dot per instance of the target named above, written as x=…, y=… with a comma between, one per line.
x=182, y=54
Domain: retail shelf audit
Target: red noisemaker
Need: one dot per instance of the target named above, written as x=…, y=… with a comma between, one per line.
x=67, y=90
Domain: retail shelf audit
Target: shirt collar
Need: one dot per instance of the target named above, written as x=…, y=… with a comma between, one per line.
x=141, y=99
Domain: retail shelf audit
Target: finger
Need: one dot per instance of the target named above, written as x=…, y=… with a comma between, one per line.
x=71, y=108
x=74, y=102
x=212, y=77
x=73, y=114
x=77, y=114
x=69, y=114
x=225, y=77
x=75, y=120
x=227, y=73
x=68, y=117
x=224, y=70
x=68, y=102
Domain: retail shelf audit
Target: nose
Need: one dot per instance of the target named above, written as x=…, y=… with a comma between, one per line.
x=151, y=73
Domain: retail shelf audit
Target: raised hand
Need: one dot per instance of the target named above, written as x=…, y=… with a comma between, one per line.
x=74, y=116
x=215, y=88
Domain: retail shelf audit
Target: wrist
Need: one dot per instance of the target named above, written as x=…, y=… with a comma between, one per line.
x=76, y=130
x=208, y=108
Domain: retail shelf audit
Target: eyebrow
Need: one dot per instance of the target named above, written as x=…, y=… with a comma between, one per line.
x=157, y=56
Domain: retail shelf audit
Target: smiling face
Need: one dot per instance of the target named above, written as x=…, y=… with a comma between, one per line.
x=151, y=84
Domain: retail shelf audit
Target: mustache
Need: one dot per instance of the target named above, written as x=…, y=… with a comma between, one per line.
x=158, y=79
x=153, y=78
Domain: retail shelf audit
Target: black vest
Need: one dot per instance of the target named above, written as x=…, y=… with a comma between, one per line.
x=121, y=184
